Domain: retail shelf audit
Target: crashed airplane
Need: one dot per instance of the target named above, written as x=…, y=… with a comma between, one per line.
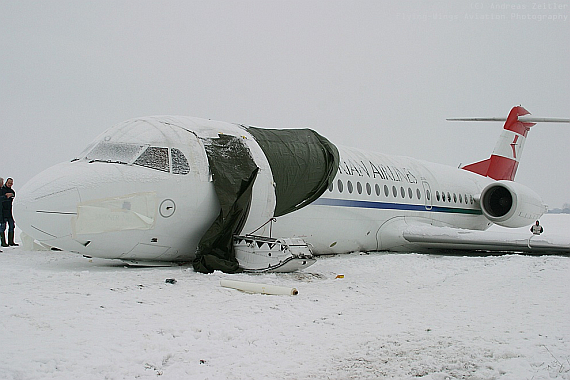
x=233, y=197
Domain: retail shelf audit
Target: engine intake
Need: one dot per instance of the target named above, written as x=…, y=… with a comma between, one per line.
x=498, y=201
x=510, y=204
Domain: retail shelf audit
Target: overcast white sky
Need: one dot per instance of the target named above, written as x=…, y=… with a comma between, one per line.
x=374, y=74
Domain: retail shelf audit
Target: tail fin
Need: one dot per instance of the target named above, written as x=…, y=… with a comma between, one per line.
x=504, y=161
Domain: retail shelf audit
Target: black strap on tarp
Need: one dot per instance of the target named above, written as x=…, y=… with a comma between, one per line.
x=234, y=172
x=303, y=164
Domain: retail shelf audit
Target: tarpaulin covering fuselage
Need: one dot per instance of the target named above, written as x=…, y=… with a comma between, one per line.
x=303, y=164
x=233, y=173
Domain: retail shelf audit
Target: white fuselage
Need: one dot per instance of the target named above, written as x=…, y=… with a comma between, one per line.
x=373, y=194
x=156, y=205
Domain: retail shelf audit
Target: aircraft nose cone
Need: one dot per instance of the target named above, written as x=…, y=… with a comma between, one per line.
x=43, y=208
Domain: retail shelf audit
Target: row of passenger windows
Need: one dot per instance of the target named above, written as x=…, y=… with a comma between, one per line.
x=457, y=198
x=401, y=192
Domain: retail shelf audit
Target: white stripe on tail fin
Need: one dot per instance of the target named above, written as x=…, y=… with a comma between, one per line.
x=503, y=163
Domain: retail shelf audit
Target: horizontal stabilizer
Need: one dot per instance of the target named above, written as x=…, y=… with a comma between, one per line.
x=524, y=119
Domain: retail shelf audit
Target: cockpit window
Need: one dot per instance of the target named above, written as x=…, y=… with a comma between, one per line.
x=154, y=158
x=142, y=155
x=114, y=152
x=179, y=162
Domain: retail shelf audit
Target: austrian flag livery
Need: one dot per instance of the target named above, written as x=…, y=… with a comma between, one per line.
x=231, y=197
x=504, y=161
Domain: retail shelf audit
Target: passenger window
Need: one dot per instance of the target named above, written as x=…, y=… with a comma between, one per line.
x=154, y=158
x=368, y=188
x=377, y=188
x=418, y=193
x=460, y=198
x=448, y=197
x=359, y=187
x=386, y=191
x=339, y=185
x=179, y=162
x=331, y=187
x=349, y=187
x=395, y=191
x=402, y=192
x=437, y=195
x=454, y=198
x=410, y=193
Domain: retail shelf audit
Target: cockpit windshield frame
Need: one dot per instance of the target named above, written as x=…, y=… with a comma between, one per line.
x=115, y=152
x=168, y=160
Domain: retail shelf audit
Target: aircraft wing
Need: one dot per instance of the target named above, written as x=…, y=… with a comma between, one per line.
x=455, y=239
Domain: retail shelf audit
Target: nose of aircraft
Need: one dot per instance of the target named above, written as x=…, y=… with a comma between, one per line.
x=47, y=203
x=114, y=211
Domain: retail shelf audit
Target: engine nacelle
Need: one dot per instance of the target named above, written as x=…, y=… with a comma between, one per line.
x=510, y=204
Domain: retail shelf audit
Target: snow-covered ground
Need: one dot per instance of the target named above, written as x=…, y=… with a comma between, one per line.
x=392, y=316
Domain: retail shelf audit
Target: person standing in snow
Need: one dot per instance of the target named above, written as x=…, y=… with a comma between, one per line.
x=536, y=228
x=2, y=199
x=7, y=196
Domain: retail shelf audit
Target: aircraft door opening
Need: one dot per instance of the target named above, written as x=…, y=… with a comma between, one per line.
x=427, y=195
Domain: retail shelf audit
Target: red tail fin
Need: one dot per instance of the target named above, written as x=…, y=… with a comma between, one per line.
x=504, y=161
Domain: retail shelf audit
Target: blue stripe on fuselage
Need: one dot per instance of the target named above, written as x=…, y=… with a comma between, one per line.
x=392, y=206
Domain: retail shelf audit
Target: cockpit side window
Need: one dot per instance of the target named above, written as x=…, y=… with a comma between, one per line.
x=179, y=162
x=154, y=158
x=115, y=152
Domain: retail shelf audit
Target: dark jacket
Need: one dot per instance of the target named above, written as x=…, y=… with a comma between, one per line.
x=7, y=202
x=536, y=229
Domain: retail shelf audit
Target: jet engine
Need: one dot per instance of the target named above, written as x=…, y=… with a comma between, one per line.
x=510, y=204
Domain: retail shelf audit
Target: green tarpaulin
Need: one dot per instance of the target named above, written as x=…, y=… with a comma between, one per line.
x=233, y=172
x=303, y=164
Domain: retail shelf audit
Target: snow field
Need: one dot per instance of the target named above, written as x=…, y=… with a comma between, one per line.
x=393, y=316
